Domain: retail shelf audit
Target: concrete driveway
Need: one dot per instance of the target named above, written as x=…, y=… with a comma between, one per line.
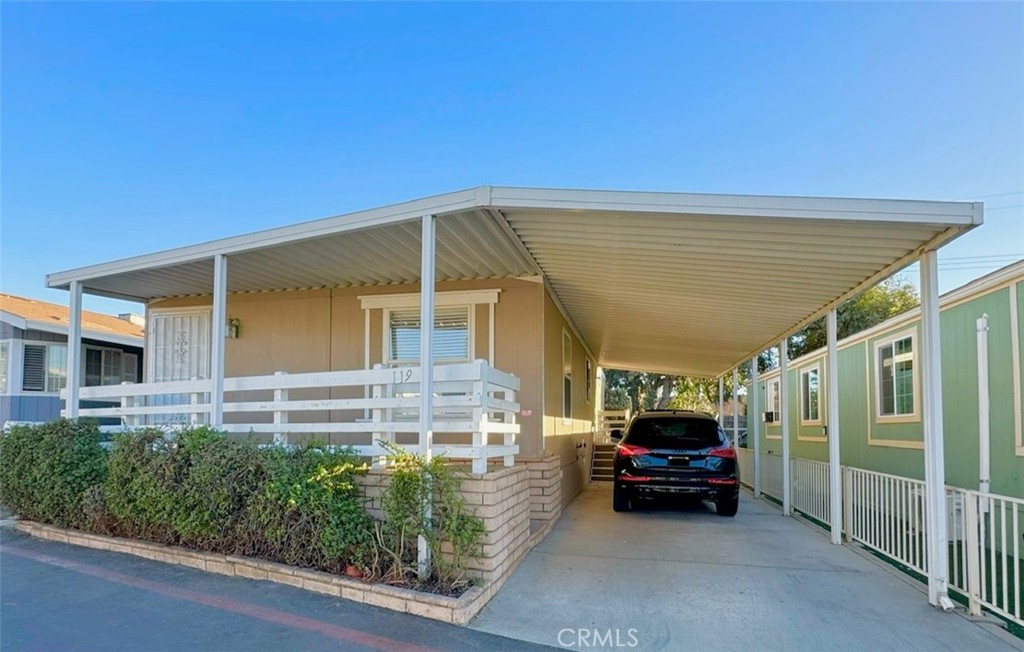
x=687, y=579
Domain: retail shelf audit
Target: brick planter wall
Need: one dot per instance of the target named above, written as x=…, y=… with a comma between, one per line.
x=500, y=497
x=545, y=478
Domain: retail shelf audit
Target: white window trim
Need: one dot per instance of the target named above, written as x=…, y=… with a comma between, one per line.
x=814, y=366
x=446, y=299
x=914, y=416
x=6, y=390
x=386, y=339
x=566, y=419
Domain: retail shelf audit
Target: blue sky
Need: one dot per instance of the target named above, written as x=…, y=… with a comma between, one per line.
x=130, y=128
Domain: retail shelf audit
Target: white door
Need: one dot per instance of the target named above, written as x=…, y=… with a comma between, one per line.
x=177, y=348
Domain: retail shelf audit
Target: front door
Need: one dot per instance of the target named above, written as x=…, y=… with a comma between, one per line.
x=177, y=348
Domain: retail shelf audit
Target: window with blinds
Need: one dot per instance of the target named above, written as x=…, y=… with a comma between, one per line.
x=44, y=367
x=451, y=335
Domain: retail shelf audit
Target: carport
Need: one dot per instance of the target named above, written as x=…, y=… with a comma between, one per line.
x=688, y=284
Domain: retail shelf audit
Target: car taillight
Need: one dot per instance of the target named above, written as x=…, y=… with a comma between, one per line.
x=721, y=480
x=629, y=450
x=727, y=452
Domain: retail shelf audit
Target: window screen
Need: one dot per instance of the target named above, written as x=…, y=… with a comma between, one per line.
x=451, y=334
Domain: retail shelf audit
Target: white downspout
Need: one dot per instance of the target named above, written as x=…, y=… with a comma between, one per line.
x=984, y=442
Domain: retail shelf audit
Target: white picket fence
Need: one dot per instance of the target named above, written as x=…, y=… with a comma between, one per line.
x=886, y=513
x=472, y=402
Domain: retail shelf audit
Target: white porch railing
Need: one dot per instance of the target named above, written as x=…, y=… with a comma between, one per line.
x=472, y=403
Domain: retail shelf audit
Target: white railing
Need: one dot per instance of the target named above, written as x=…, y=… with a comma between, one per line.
x=611, y=420
x=811, y=488
x=745, y=457
x=989, y=558
x=771, y=475
x=472, y=402
x=886, y=513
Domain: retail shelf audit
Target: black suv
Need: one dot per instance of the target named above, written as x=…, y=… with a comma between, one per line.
x=675, y=453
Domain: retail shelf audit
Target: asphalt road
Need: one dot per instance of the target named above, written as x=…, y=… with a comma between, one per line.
x=56, y=597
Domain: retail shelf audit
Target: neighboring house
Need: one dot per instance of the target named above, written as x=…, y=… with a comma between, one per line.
x=880, y=397
x=33, y=355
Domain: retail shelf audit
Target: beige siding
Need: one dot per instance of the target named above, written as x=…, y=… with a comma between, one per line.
x=320, y=330
x=571, y=439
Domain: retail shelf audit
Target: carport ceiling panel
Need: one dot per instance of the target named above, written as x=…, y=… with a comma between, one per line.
x=692, y=293
x=468, y=247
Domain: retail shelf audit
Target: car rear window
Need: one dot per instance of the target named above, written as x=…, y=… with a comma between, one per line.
x=676, y=432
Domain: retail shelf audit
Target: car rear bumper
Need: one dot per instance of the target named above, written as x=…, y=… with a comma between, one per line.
x=697, y=489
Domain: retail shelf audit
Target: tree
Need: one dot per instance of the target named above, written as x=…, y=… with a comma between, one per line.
x=889, y=298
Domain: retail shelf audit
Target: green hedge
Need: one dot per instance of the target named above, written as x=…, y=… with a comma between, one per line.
x=45, y=471
x=204, y=490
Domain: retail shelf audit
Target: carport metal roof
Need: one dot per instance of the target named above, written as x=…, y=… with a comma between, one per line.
x=669, y=282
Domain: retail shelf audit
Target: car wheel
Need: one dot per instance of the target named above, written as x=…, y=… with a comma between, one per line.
x=620, y=501
x=728, y=506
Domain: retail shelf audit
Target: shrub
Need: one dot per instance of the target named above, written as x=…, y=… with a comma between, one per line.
x=301, y=506
x=46, y=470
x=309, y=510
x=414, y=484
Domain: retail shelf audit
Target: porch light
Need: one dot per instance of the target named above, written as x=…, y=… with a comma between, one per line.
x=233, y=329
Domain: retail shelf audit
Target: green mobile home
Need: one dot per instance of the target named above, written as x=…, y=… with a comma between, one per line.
x=880, y=424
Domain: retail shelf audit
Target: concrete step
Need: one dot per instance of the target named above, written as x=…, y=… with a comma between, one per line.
x=601, y=478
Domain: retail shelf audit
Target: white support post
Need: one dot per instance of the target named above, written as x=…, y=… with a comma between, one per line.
x=984, y=433
x=74, y=371
x=195, y=398
x=218, y=341
x=378, y=392
x=754, y=429
x=127, y=420
x=280, y=416
x=835, y=480
x=481, y=436
x=934, y=457
x=721, y=399
x=427, y=275
x=735, y=407
x=787, y=504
